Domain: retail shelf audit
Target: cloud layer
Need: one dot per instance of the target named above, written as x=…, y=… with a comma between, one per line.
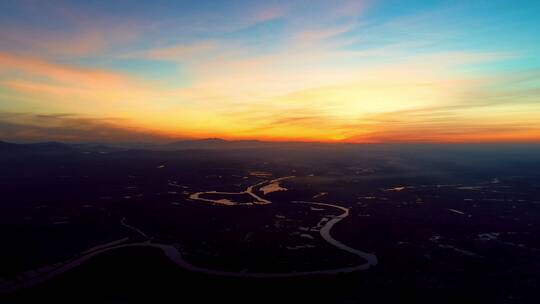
x=362, y=71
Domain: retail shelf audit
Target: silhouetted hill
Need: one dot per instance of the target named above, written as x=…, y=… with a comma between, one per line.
x=5, y=145
x=218, y=143
x=36, y=147
x=54, y=148
x=214, y=143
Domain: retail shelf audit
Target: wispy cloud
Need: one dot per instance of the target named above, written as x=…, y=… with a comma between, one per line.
x=10, y=63
x=182, y=52
x=268, y=13
x=73, y=128
x=318, y=70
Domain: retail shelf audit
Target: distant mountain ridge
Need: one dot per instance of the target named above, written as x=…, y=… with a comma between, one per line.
x=44, y=146
x=219, y=143
x=189, y=144
x=223, y=144
x=52, y=147
x=214, y=143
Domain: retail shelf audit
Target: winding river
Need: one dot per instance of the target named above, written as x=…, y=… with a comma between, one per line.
x=32, y=278
x=249, y=190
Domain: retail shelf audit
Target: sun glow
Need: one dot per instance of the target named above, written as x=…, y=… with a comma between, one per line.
x=284, y=72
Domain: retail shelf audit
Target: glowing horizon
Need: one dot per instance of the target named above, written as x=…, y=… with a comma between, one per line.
x=330, y=71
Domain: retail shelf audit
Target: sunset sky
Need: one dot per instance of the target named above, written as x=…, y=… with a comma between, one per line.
x=354, y=71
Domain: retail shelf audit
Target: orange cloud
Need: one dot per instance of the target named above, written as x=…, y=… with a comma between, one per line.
x=57, y=72
x=266, y=98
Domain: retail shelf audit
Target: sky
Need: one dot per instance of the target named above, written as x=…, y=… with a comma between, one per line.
x=331, y=71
